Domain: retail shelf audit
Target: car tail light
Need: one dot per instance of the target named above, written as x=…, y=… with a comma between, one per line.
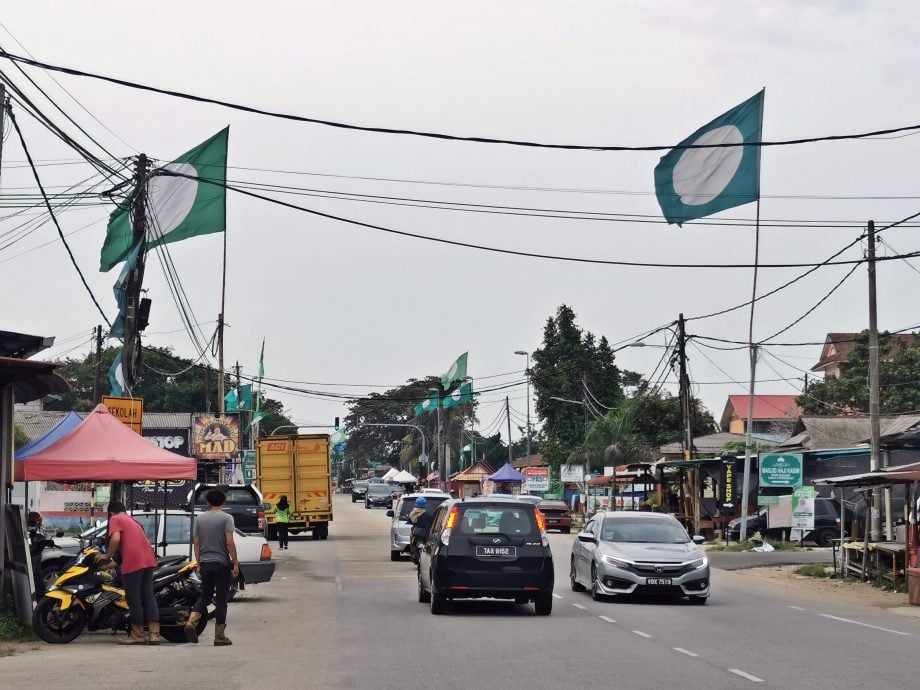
x=449, y=526
x=266, y=554
x=541, y=524
x=261, y=520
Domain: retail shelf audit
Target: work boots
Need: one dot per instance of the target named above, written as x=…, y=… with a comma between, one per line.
x=191, y=627
x=153, y=638
x=221, y=640
x=136, y=636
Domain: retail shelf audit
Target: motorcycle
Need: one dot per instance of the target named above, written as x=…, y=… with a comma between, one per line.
x=85, y=596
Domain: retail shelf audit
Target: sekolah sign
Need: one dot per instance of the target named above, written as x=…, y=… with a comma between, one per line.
x=780, y=470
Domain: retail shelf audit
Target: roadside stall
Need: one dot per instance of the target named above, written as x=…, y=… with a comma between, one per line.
x=470, y=482
x=507, y=479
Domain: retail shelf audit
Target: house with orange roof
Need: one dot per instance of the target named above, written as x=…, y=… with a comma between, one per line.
x=773, y=414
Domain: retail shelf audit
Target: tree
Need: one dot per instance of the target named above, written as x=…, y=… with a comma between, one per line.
x=659, y=417
x=899, y=380
x=568, y=360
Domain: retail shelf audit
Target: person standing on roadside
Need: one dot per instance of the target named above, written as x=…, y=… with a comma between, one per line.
x=127, y=538
x=215, y=552
x=283, y=512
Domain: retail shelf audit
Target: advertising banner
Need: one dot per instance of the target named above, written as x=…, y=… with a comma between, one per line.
x=780, y=470
x=175, y=440
x=572, y=474
x=536, y=479
x=216, y=438
x=803, y=508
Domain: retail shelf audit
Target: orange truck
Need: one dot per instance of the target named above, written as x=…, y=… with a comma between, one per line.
x=298, y=466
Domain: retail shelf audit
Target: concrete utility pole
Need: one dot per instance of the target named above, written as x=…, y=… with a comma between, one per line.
x=508, y=418
x=874, y=431
x=748, y=447
x=98, y=335
x=686, y=437
x=527, y=374
x=132, y=339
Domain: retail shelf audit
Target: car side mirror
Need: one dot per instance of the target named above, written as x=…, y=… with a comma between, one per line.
x=389, y=513
x=587, y=537
x=698, y=538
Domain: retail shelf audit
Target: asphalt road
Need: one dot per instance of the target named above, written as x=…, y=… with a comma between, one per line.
x=339, y=614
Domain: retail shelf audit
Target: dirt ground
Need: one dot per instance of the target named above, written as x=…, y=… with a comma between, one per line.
x=849, y=590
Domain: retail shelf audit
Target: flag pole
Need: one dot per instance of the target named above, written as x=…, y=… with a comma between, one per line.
x=752, y=351
x=222, y=404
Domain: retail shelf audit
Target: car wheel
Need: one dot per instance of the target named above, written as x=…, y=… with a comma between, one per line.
x=354, y=499
x=543, y=606
x=698, y=601
x=576, y=585
x=595, y=593
x=424, y=596
x=315, y=533
x=825, y=537
x=395, y=555
x=437, y=603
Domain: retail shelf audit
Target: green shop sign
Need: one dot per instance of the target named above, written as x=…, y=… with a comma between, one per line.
x=781, y=470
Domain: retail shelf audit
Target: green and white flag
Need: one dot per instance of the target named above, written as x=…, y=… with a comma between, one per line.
x=460, y=395
x=120, y=288
x=428, y=405
x=178, y=207
x=456, y=372
x=694, y=183
x=117, y=377
x=239, y=399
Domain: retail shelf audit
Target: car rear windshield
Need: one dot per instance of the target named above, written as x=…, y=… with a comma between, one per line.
x=236, y=496
x=382, y=489
x=553, y=505
x=431, y=503
x=643, y=531
x=507, y=520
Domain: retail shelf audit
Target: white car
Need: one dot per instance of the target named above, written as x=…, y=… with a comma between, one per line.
x=172, y=536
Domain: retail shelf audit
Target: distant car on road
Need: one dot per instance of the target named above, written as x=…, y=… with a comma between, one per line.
x=629, y=552
x=378, y=495
x=558, y=516
x=244, y=503
x=401, y=528
x=485, y=547
x=827, y=524
x=358, y=489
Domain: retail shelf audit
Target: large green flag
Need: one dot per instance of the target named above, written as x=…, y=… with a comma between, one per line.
x=456, y=372
x=462, y=394
x=697, y=182
x=178, y=207
x=428, y=405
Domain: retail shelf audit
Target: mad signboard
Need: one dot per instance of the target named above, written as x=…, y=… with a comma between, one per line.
x=216, y=438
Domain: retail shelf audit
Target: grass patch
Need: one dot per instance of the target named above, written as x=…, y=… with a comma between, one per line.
x=748, y=545
x=11, y=630
x=819, y=570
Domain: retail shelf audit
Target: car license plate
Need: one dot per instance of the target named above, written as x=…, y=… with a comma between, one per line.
x=658, y=581
x=496, y=551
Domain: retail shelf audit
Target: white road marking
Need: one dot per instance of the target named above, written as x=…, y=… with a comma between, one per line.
x=755, y=679
x=642, y=634
x=684, y=651
x=558, y=596
x=338, y=583
x=579, y=606
x=797, y=608
x=867, y=625
x=607, y=619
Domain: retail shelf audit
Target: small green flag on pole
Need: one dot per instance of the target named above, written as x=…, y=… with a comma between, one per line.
x=179, y=205
x=117, y=377
x=428, y=405
x=693, y=183
x=456, y=372
x=262, y=360
x=462, y=394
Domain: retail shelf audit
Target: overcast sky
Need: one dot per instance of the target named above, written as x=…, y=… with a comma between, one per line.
x=340, y=304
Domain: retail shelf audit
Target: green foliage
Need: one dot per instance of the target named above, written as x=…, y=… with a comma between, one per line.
x=11, y=630
x=658, y=418
x=821, y=570
x=19, y=438
x=613, y=440
x=899, y=380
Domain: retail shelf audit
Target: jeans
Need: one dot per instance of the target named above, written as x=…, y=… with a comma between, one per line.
x=142, y=605
x=215, y=584
x=282, y=528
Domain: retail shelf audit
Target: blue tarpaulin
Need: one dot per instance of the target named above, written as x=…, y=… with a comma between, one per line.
x=54, y=434
x=507, y=474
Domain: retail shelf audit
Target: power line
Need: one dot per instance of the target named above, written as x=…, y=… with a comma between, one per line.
x=432, y=135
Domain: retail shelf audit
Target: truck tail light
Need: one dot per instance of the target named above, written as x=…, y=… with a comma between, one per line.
x=266, y=554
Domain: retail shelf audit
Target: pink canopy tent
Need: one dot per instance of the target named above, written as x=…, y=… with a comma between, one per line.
x=103, y=449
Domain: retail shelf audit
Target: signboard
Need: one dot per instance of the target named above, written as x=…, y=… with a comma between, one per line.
x=767, y=500
x=536, y=479
x=780, y=470
x=572, y=474
x=175, y=440
x=803, y=508
x=779, y=515
x=127, y=410
x=728, y=482
x=249, y=466
x=216, y=438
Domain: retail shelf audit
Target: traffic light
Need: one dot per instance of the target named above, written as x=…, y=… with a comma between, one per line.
x=336, y=423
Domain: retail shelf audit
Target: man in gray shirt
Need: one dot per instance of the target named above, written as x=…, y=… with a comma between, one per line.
x=215, y=552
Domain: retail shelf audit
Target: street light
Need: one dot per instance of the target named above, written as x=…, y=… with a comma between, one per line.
x=527, y=371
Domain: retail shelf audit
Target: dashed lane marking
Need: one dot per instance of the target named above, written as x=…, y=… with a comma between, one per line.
x=797, y=608
x=608, y=619
x=866, y=625
x=579, y=606
x=684, y=651
x=751, y=678
x=642, y=634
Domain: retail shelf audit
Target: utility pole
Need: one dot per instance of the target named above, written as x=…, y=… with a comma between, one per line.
x=508, y=418
x=748, y=447
x=874, y=431
x=98, y=336
x=527, y=375
x=132, y=338
x=686, y=437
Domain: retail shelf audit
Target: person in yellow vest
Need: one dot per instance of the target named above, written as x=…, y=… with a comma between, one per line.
x=282, y=511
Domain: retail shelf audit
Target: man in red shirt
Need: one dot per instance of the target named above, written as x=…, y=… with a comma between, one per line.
x=138, y=562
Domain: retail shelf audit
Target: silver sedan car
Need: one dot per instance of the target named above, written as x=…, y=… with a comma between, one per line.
x=631, y=552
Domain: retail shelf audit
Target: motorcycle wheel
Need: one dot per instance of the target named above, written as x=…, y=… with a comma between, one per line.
x=55, y=626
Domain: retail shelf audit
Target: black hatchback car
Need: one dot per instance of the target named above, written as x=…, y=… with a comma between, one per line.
x=827, y=524
x=484, y=547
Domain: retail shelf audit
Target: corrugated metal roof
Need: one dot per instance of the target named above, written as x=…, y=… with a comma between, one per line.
x=713, y=443
x=35, y=423
x=845, y=432
x=167, y=420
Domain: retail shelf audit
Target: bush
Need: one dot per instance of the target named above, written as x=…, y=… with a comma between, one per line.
x=822, y=570
x=11, y=630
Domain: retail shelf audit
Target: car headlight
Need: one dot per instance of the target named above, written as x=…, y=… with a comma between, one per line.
x=617, y=562
x=699, y=563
